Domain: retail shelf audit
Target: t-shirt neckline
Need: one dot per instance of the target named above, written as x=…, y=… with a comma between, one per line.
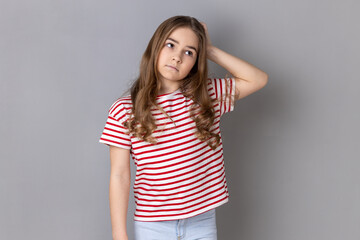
x=169, y=94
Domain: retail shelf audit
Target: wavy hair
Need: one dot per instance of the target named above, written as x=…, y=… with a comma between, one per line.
x=146, y=87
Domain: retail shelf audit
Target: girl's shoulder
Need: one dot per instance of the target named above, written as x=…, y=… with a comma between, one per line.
x=221, y=86
x=121, y=105
x=121, y=101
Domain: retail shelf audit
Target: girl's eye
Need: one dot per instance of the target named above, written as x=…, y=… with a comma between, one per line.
x=190, y=53
x=170, y=45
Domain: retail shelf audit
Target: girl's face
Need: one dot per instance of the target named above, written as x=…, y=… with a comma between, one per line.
x=176, y=58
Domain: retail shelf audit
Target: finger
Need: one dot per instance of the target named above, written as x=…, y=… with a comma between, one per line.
x=204, y=25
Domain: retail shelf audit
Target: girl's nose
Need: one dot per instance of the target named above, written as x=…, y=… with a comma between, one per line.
x=176, y=58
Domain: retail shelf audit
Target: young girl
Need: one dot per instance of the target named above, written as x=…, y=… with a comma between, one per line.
x=170, y=126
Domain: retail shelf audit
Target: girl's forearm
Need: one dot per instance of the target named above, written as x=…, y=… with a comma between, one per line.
x=119, y=188
x=236, y=66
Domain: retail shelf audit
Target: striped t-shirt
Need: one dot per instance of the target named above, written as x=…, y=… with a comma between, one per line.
x=179, y=176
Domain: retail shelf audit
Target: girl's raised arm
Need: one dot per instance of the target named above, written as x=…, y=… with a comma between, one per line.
x=119, y=191
x=248, y=78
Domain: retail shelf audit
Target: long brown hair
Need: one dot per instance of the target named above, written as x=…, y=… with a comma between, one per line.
x=146, y=87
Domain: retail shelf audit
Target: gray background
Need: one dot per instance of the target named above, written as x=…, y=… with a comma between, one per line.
x=291, y=149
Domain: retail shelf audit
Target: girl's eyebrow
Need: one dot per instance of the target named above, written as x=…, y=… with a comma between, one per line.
x=186, y=46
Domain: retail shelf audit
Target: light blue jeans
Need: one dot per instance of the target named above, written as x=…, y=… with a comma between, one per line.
x=200, y=227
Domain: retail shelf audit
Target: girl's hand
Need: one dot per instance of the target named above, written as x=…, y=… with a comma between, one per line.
x=207, y=36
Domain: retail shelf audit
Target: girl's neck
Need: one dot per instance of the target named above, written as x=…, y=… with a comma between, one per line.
x=168, y=88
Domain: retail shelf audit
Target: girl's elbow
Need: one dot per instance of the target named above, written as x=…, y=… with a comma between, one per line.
x=264, y=80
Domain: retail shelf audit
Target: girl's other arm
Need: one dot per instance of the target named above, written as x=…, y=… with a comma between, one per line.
x=119, y=191
x=248, y=78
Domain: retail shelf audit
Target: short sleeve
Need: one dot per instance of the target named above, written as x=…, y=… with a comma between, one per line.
x=223, y=90
x=114, y=132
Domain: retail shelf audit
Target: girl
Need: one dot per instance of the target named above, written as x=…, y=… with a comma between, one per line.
x=170, y=126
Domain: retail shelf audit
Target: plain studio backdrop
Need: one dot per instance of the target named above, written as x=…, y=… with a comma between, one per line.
x=292, y=150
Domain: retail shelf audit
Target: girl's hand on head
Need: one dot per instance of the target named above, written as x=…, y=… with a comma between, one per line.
x=207, y=35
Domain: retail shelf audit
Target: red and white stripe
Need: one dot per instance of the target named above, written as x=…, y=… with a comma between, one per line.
x=180, y=176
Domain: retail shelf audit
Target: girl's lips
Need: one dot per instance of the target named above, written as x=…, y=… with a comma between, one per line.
x=172, y=67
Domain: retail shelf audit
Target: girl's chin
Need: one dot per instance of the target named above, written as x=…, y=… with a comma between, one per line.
x=169, y=77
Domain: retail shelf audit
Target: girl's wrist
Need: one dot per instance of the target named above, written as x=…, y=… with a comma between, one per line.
x=210, y=52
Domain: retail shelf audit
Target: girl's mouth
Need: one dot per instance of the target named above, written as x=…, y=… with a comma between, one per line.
x=172, y=67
